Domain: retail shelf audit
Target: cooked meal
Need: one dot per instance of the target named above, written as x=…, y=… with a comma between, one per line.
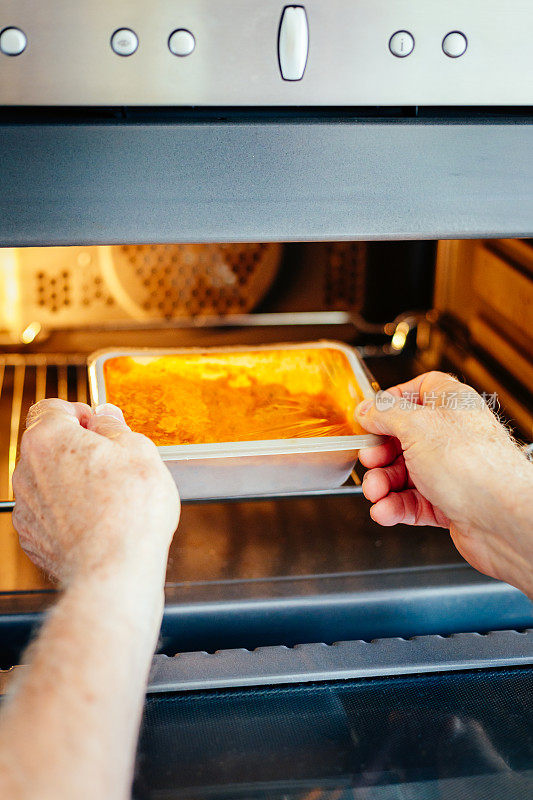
x=196, y=398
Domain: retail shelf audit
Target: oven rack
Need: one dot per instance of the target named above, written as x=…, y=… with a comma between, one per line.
x=26, y=379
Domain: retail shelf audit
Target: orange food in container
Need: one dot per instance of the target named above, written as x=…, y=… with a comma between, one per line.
x=242, y=421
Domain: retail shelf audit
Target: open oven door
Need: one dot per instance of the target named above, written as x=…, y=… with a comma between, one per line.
x=430, y=717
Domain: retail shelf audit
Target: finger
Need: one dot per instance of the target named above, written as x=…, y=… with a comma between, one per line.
x=433, y=387
x=108, y=420
x=51, y=423
x=385, y=414
x=381, y=455
x=408, y=507
x=109, y=410
x=433, y=381
x=378, y=482
x=75, y=412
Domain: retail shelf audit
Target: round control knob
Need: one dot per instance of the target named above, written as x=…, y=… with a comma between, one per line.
x=124, y=42
x=181, y=43
x=12, y=41
x=454, y=44
x=401, y=44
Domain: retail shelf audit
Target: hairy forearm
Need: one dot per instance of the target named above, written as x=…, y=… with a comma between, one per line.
x=516, y=518
x=501, y=503
x=70, y=726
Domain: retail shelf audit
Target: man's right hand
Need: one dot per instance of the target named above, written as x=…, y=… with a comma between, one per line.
x=450, y=462
x=91, y=495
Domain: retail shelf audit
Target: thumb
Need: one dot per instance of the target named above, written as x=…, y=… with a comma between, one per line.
x=386, y=413
x=108, y=420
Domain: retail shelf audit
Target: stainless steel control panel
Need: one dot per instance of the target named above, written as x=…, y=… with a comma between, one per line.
x=266, y=52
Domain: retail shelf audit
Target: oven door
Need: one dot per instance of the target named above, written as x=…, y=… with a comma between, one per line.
x=452, y=734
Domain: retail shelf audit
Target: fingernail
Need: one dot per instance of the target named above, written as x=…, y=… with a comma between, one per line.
x=364, y=407
x=109, y=410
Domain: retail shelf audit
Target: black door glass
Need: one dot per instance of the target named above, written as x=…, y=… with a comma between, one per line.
x=434, y=737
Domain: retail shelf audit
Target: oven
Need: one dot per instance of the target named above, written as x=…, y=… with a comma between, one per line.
x=322, y=171
x=272, y=585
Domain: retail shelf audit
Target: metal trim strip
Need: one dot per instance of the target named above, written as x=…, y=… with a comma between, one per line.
x=308, y=663
x=341, y=661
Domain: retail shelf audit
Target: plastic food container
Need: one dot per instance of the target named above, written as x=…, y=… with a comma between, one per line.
x=240, y=421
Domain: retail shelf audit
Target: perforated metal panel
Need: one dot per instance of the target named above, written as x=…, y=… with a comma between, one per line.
x=74, y=279
x=192, y=279
x=51, y=288
x=344, y=277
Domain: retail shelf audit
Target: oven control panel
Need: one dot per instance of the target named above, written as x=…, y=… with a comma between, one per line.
x=266, y=52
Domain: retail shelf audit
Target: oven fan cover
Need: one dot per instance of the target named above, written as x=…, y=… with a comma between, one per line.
x=65, y=287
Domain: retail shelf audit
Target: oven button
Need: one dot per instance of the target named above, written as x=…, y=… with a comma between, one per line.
x=455, y=44
x=401, y=44
x=293, y=43
x=181, y=43
x=12, y=41
x=124, y=42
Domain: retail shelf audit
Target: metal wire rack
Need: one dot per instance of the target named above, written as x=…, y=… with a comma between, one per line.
x=24, y=380
x=27, y=378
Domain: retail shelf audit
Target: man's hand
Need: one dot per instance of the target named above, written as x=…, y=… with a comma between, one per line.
x=450, y=462
x=96, y=507
x=90, y=494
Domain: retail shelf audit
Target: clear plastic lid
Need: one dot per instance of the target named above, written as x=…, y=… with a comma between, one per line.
x=279, y=398
x=236, y=396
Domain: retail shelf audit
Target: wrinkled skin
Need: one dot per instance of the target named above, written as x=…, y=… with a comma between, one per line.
x=89, y=492
x=454, y=467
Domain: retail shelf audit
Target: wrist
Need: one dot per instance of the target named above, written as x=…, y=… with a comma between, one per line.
x=118, y=600
x=514, y=494
x=507, y=527
x=122, y=560
x=496, y=484
x=135, y=579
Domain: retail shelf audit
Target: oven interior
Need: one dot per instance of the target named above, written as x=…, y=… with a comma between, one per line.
x=318, y=651
x=295, y=568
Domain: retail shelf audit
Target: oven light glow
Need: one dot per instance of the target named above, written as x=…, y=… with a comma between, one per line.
x=400, y=336
x=9, y=288
x=28, y=334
